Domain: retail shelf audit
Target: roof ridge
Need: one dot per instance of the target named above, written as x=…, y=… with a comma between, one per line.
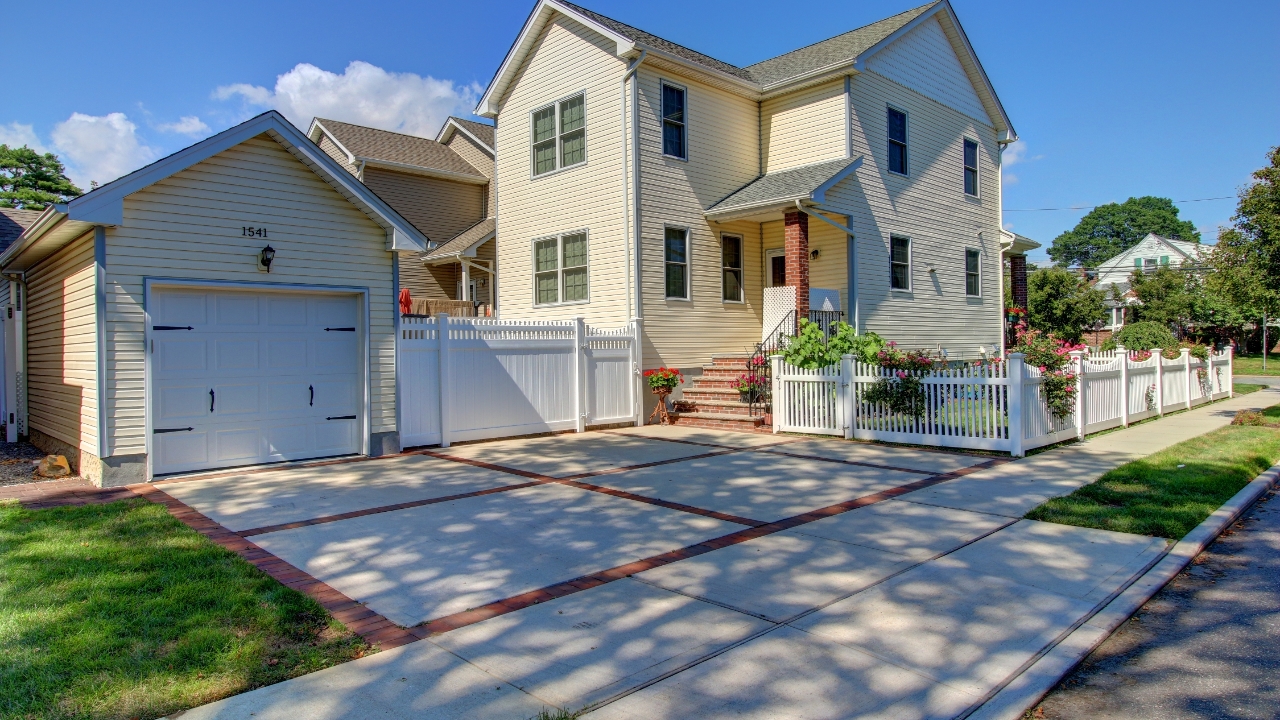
x=847, y=32
x=370, y=127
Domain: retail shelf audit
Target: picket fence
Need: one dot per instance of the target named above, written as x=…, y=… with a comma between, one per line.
x=996, y=406
x=466, y=378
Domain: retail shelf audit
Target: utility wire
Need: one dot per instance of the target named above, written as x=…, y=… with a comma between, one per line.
x=1090, y=207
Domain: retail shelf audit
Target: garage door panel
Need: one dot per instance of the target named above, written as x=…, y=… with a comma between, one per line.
x=262, y=354
x=236, y=310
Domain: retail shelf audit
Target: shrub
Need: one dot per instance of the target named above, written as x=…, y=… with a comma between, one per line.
x=810, y=349
x=1144, y=335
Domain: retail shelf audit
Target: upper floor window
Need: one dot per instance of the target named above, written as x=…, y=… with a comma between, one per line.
x=899, y=263
x=560, y=135
x=972, y=272
x=1148, y=265
x=970, y=167
x=731, y=268
x=560, y=269
x=674, y=131
x=897, y=124
x=677, y=263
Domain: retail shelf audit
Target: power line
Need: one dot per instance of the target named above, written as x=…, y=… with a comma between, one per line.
x=1090, y=207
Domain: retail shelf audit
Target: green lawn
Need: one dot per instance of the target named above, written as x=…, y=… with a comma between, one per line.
x=1245, y=388
x=1252, y=364
x=121, y=611
x=1170, y=492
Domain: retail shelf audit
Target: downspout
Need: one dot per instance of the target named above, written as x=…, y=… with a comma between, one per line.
x=852, y=261
x=1000, y=254
x=853, y=237
x=626, y=201
x=100, y=310
x=18, y=296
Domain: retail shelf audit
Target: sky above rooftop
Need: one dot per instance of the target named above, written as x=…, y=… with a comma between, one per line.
x=1111, y=99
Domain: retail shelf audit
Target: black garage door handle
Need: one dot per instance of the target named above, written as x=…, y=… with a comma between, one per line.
x=339, y=329
x=341, y=417
x=161, y=431
x=211, y=398
x=172, y=327
x=312, y=388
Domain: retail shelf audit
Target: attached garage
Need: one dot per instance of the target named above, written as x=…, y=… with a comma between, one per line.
x=233, y=304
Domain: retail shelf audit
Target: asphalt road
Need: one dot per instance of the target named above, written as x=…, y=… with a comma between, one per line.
x=1206, y=646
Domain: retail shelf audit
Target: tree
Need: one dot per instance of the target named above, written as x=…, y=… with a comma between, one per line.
x=1142, y=336
x=1166, y=296
x=1110, y=229
x=1246, y=261
x=1061, y=302
x=31, y=180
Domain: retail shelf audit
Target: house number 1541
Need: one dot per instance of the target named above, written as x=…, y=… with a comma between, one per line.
x=253, y=232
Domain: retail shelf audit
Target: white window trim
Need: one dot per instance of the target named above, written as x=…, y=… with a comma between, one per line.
x=911, y=251
x=662, y=119
x=742, y=270
x=533, y=259
x=906, y=146
x=769, y=255
x=977, y=167
x=688, y=263
x=966, y=272
x=533, y=174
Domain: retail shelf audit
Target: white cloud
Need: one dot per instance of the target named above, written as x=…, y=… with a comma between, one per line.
x=15, y=135
x=1014, y=154
x=1008, y=226
x=186, y=125
x=363, y=94
x=100, y=147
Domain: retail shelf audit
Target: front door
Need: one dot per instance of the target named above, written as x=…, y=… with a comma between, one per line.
x=777, y=268
x=241, y=378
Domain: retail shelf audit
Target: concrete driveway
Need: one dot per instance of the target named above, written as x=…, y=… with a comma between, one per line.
x=668, y=572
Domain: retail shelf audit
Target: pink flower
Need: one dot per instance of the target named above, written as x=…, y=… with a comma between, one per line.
x=893, y=344
x=902, y=374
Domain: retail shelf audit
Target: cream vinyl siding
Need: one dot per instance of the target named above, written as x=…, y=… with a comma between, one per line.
x=924, y=61
x=931, y=208
x=188, y=226
x=477, y=158
x=830, y=270
x=426, y=282
x=722, y=151
x=62, y=352
x=567, y=58
x=803, y=127
x=330, y=148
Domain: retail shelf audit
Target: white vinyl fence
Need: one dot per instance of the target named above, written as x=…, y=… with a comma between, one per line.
x=464, y=378
x=995, y=406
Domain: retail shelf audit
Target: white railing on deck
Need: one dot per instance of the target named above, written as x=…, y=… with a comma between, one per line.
x=486, y=378
x=995, y=406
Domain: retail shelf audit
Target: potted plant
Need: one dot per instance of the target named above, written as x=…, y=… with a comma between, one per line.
x=661, y=382
x=750, y=387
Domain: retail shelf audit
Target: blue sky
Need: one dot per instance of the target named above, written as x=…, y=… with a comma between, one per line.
x=1112, y=99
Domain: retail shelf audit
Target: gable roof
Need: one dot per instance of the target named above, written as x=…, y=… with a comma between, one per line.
x=104, y=206
x=13, y=221
x=480, y=132
x=396, y=150
x=465, y=242
x=776, y=190
x=1187, y=249
x=841, y=55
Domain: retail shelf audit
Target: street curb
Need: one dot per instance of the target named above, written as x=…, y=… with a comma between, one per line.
x=1032, y=685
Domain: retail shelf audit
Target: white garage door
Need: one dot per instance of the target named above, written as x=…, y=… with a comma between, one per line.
x=240, y=378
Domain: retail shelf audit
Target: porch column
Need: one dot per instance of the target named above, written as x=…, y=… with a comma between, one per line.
x=1018, y=279
x=796, y=235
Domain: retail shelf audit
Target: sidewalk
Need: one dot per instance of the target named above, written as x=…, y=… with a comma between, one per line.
x=937, y=637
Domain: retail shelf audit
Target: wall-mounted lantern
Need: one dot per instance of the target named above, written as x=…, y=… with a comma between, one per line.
x=265, y=257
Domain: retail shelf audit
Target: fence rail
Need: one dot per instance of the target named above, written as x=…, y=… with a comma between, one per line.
x=995, y=406
x=465, y=378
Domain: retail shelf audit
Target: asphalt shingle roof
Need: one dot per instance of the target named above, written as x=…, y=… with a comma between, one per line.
x=464, y=239
x=367, y=142
x=12, y=222
x=835, y=51
x=481, y=130
x=781, y=186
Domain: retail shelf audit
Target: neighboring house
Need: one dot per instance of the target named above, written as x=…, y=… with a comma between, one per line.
x=231, y=304
x=443, y=186
x=1151, y=253
x=640, y=179
x=13, y=222
x=1014, y=249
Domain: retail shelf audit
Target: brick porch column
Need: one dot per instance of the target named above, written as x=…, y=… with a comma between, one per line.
x=796, y=250
x=1018, y=279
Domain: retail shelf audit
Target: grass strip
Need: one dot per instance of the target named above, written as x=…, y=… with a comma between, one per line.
x=1245, y=388
x=1251, y=364
x=1169, y=493
x=121, y=611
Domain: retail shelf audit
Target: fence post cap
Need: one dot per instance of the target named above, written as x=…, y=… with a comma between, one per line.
x=1184, y=351
x=1078, y=353
x=1017, y=355
x=1119, y=348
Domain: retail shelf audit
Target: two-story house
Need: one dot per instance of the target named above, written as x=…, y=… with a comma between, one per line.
x=1151, y=253
x=445, y=188
x=638, y=178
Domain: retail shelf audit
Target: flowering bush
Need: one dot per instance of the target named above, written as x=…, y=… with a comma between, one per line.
x=911, y=360
x=903, y=392
x=1053, y=357
x=663, y=380
x=751, y=383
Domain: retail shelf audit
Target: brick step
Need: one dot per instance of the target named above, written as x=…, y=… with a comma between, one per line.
x=723, y=408
x=732, y=361
x=696, y=394
x=722, y=371
x=719, y=421
x=728, y=383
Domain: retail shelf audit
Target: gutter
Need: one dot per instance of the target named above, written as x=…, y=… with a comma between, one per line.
x=52, y=217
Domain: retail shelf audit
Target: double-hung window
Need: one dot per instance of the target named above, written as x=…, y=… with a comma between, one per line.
x=731, y=268
x=899, y=263
x=972, y=272
x=970, y=167
x=560, y=135
x=897, y=126
x=674, y=130
x=677, y=263
x=560, y=269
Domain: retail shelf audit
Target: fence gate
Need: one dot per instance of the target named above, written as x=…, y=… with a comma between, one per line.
x=809, y=401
